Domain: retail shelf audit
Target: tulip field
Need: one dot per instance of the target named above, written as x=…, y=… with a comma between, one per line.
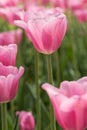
x=43, y=64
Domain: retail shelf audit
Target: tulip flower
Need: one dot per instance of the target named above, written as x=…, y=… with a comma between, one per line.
x=11, y=13
x=9, y=80
x=84, y=1
x=81, y=15
x=69, y=103
x=68, y=4
x=44, y=2
x=45, y=28
x=8, y=52
x=26, y=120
x=4, y=3
x=28, y=3
x=59, y=3
x=74, y=5
x=11, y=37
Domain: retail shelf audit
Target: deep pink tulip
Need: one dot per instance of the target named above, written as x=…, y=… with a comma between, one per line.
x=11, y=13
x=45, y=28
x=69, y=103
x=11, y=37
x=44, y=2
x=8, y=54
x=84, y=1
x=26, y=120
x=9, y=80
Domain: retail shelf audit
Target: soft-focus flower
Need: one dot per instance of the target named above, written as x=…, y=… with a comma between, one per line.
x=75, y=4
x=9, y=80
x=84, y=1
x=11, y=37
x=11, y=13
x=45, y=28
x=59, y=3
x=68, y=4
x=4, y=3
x=26, y=120
x=69, y=103
x=43, y=2
x=28, y=3
x=8, y=54
x=81, y=15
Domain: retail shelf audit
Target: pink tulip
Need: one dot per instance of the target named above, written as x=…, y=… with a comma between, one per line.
x=11, y=37
x=59, y=3
x=84, y=1
x=11, y=13
x=34, y=2
x=75, y=4
x=69, y=103
x=45, y=28
x=44, y=2
x=26, y=120
x=4, y=3
x=68, y=4
x=8, y=54
x=9, y=80
x=81, y=15
x=28, y=3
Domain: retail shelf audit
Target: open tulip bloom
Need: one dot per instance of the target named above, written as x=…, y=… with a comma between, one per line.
x=69, y=103
x=9, y=80
x=9, y=51
x=45, y=28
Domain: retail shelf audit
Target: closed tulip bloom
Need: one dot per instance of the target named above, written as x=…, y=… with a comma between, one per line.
x=11, y=37
x=8, y=54
x=45, y=28
x=9, y=80
x=69, y=103
x=26, y=120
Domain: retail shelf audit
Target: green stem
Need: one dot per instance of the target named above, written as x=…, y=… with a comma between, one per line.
x=50, y=80
x=37, y=92
x=12, y=109
x=16, y=123
x=4, y=116
x=56, y=57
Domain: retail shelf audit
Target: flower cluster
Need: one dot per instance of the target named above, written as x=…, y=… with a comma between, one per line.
x=45, y=28
x=9, y=74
